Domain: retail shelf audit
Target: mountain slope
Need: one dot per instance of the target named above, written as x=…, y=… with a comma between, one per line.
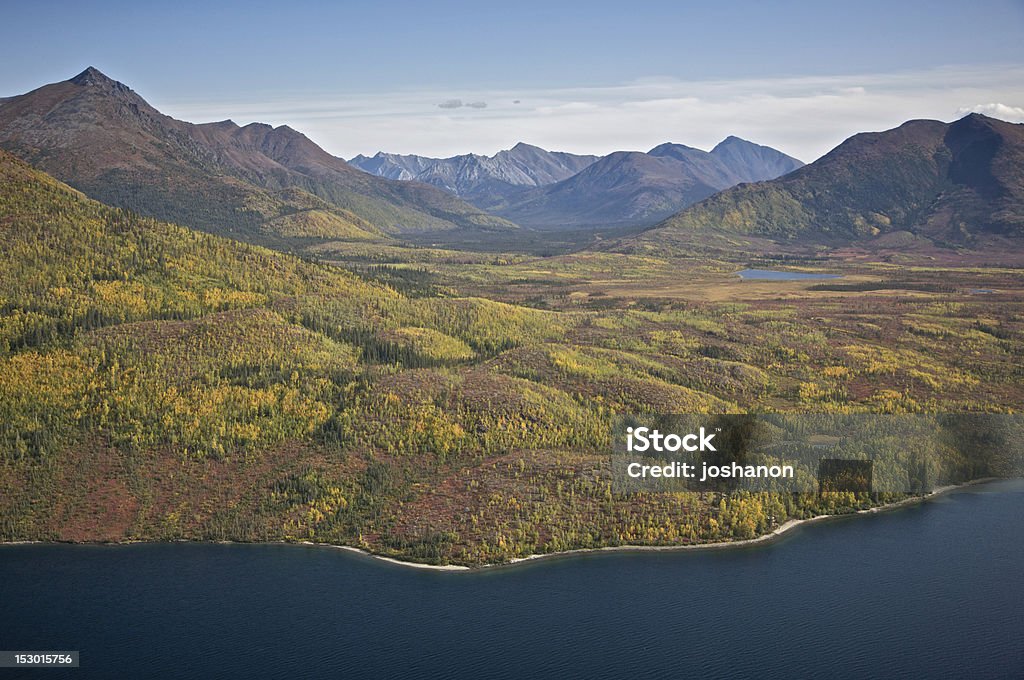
x=71, y=264
x=152, y=336
x=485, y=181
x=749, y=162
x=946, y=182
x=104, y=139
x=630, y=187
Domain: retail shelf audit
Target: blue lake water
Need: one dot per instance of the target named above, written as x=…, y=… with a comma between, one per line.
x=934, y=590
x=775, y=275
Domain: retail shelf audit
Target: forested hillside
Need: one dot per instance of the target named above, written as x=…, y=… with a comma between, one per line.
x=160, y=383
x=960, y=183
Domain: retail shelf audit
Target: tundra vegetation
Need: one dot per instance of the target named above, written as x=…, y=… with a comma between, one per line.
x=435, y=405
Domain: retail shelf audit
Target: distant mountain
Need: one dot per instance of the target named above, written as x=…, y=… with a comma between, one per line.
x=950, y=183
x=485, y=181
x=396, y=166
x=631, y=187
x=255, y=182
x=749, y=162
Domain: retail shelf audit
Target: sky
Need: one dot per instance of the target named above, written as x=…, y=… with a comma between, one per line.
x=442, y=78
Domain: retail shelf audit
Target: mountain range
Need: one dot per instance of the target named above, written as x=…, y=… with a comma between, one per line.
x=944, y=182
x=635, y=188
x=951, y=183
x=485, y=181
x=255, y=182
x=544, y=189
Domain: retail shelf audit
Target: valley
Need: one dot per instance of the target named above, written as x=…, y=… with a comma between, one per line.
x=300, y=351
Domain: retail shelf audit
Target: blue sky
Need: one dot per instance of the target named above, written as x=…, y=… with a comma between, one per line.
x=585, y=77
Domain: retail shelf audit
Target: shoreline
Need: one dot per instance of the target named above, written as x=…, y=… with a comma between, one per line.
x=767, y=538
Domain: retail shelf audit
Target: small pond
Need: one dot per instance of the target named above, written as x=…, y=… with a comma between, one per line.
x=775, y=275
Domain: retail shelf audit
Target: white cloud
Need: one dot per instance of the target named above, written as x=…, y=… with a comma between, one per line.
x=803, y=116
x=458, y=104
x=1013, y=114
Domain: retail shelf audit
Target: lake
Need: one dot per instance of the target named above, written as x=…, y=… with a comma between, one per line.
x=775, y=275
x=926, y=591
